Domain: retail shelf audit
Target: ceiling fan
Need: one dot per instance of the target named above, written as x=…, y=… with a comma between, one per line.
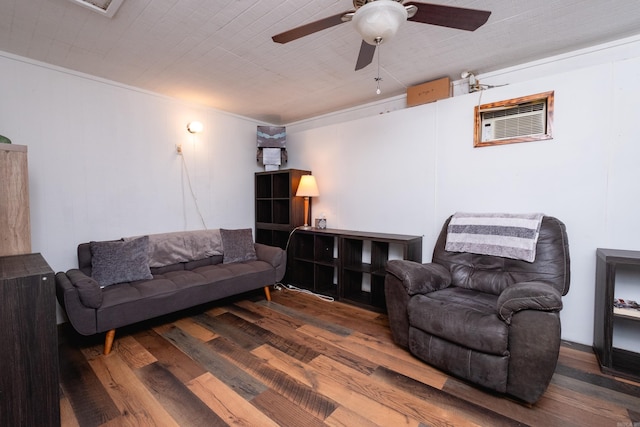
x=378, y=20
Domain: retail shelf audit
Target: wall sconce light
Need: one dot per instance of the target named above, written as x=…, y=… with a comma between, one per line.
x=307, y=188
x=195, y=127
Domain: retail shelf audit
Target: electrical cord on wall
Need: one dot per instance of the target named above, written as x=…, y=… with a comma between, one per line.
x=193, y=194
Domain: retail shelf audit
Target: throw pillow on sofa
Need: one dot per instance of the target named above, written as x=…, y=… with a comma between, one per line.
x=120, y=261
x=237, y=245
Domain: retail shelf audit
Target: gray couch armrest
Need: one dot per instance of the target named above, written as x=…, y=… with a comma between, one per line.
x=528, y=296
x=82, y=318
x=275, y=256
x=88, y=289
x=419, y=278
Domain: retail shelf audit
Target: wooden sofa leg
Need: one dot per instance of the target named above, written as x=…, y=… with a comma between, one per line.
x=267, y=293
x=108, y=341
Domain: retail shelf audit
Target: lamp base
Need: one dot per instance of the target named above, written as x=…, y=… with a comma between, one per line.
x=307, y=220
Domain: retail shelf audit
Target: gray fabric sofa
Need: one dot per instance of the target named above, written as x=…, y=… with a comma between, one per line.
x=490, y=320
x=118, y=283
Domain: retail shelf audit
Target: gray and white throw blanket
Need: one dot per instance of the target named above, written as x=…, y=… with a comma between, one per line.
x=498, y=234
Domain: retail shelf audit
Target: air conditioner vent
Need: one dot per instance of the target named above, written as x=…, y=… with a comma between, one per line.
x=519, y=109
x=514, y=122
x=524, y=119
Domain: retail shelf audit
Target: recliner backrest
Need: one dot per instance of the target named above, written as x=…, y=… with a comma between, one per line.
x=493, y=274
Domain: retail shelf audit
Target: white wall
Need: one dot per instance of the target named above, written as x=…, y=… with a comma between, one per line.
x=406, y=171
x=103, y=162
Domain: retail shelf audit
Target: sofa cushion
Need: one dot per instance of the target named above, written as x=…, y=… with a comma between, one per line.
x=237, y=245
x=120, y=261
x=183, y=246
x=462, y=316
x=132, y=302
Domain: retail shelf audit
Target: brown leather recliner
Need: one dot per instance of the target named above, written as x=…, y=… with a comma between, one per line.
x=490, y=320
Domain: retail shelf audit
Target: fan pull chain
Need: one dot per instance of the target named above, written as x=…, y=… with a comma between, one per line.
x=378, y=79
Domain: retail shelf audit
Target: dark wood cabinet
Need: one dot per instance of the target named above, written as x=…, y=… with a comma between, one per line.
x=613, y=360
x=278, y=210
x=348, y=265
x=29, y=388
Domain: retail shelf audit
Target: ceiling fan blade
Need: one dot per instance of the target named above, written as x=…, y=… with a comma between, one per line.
x=365, y=57
x=310, y=28
x=449, y=16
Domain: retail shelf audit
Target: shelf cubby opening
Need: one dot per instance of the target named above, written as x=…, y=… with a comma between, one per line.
x=281, y=211
x=324, y=249
x=281, y=186
x=356, y=286
x=352, y=254
x=263, y=187
x=377, y=291
x=264, y=211
x=303, y=274
x=280, y=238
x=304, y=246
x=264, y=236
x=379, y=255
x=326, y=280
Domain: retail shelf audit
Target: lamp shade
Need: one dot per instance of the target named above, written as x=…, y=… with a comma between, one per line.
x=379, y=20
x=307, y=187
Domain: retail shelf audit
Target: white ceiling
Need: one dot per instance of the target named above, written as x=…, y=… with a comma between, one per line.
x=220, y=53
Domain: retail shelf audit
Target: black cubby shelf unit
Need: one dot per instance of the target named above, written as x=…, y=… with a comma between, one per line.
x=613, y=360
x=348, y=265
x=278, y=210
x=314, y=265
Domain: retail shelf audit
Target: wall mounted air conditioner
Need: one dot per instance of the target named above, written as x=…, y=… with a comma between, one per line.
x=529, y=118
x=514, y=122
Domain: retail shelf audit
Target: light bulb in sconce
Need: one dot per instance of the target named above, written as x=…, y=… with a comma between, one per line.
x=195, y=127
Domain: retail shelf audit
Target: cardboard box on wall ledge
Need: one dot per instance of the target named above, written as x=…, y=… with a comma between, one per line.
x=428, y=92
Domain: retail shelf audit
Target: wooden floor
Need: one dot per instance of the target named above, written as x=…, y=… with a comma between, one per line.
x=301, y=361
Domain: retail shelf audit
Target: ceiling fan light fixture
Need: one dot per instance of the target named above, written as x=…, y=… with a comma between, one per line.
x=380, y=20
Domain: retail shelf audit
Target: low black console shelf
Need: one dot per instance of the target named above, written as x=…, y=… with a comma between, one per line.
x=348, y=265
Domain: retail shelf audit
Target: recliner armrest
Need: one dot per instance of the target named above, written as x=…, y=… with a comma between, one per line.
x=528, y=296
x=419, y=278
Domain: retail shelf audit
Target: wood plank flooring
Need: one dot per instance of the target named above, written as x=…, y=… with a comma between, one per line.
x=301, y=361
